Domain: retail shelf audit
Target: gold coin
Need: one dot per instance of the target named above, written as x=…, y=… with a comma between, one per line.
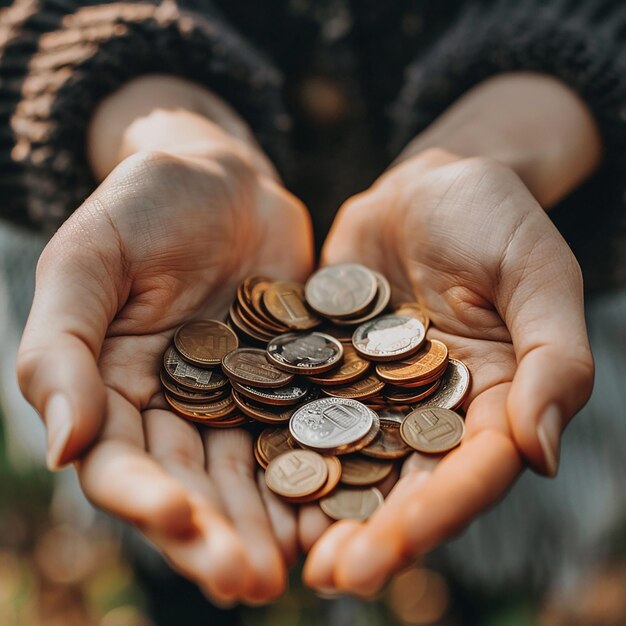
x=334, y=475
x=203, y=412
x=272, y=442
x=414, y=309
x=388, y=444
x=432, y=430
x=431, y=359
x=359, y=471
x=352, y=368
x=351, y=503
x=296, y=473
x=206, y=342
x=358, y=390
x=285, y=302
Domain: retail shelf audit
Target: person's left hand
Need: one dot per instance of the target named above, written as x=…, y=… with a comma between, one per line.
x=504, y=292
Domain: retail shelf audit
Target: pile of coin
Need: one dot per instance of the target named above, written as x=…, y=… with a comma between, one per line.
x=344, y=388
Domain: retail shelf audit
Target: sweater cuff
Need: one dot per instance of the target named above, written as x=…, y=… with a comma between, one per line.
x=583, y=51
x=59, y=60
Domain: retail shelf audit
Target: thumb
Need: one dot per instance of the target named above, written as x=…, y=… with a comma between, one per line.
x=57, y=360
x=540, y=298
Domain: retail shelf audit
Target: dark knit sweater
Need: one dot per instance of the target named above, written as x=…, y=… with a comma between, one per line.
x=391, y=68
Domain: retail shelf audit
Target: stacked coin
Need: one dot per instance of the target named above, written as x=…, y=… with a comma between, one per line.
x=346, y=387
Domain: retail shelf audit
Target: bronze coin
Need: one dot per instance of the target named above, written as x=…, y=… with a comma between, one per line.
x=263, y=412
x=383, y=295
x=305, y=353
x=259, y=459
x=389, y=338
x=285, y=302
x=414, y=309
x=230, y=421
x=344, y=290
x=250, y=333
x=296, y=473
x=272, y=442
x=257, y=293
x=182, y=393
x=247, y=309
x=455, y=386
x=205, y=343
x=352, y=503
x=358, y=390
x=432, y=430
x=431, y=359
x=388, y=444
x=334, y=475
x=189, y=376
x=359, y=471
x=250, y=366
x=281, y=396
x=351, y=368
x=403, y=396
x=203, y=412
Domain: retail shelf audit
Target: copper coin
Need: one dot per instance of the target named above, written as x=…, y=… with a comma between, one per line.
x=383, y=295
x=414, y=309
x=431, y=359
x=352, y=368
x=257, y=292
x=247, y=331
x=205, y=343
x=359, y=471
x=182, y=393
x=285, y=302
x=230, y=421
x=403, y=396
x=281, y=396
x=389, y=338
x=344, y=290
x=203, y=412
x=251, y=321
x=250, y=366
x=358, y=390
x=455, y=385
x=352, y=503
x=272, y=442
x=189, y=376
x=432, y=430
x=296, y=473
x=334, y=475
x=306, y=354
x=388, y=444
x=263, y=412
x=259, y=459
x=249, y=311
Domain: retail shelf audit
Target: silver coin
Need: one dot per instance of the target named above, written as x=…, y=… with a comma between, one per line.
x=330, y=423
x=305, y=353
x=383, y=295
x=454, y=388
x=344, y=290
x=389, y=337
x=281, y=396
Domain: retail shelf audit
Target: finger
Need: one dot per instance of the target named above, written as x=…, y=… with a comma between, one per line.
x=541, y=300
x=318, y=571
x=463, y=484
x=312, y=524
x=283, y=519
x=120, y=477
x=57, y=370
x=231, y=466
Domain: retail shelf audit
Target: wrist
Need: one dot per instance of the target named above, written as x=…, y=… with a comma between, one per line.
x=534, y=124
x=169, y=114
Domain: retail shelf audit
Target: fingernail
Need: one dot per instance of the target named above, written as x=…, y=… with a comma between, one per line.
x=58, y=418
x=549, y=434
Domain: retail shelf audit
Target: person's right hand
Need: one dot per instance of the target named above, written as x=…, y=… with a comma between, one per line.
x=163, y=240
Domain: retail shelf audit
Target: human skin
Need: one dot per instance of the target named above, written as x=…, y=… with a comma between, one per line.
x=196, y=497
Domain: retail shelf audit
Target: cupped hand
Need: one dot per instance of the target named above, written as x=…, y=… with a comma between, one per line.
x=504, y=292
x=163, y=240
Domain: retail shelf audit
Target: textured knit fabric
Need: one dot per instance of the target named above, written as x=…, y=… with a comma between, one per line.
x=396, y=65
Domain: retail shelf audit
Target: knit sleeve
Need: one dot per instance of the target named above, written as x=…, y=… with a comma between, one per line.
x=581, y=43
x=59, y=58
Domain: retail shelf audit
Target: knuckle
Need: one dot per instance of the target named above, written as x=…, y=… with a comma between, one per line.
x=27, y=363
